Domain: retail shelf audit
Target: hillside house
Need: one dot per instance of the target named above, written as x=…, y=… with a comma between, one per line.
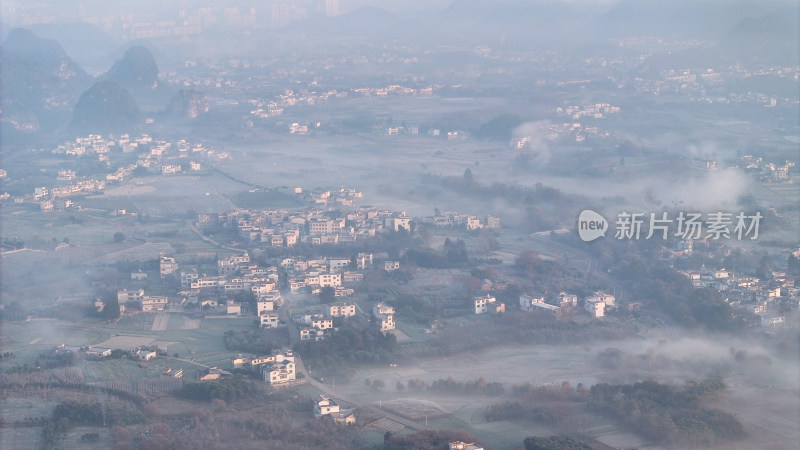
x=487, y=304
x=595, y=307
x=145, y=355
x=384, y=316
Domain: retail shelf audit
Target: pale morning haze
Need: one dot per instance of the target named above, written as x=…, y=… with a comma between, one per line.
x=386, y=225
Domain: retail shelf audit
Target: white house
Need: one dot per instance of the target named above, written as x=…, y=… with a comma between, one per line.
x=608, y=299
x=154, y=303
x=391, y=265
x=487, y=304
x=325, y=406
x=330, y=279
x=384, y=315
x=458, y=445
x=568, y=299
x=311, y=334
x=269, y=320
x=264, y=305
x=595, y=307
x=145, y=355
x=527, y=302
x=342, y=309
x=281, y=371
x=167, y=266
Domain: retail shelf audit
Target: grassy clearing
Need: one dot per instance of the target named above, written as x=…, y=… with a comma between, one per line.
x=264, y=199
x=137, y=322
x=21, y=437
x=112, y=369
x=29, y=339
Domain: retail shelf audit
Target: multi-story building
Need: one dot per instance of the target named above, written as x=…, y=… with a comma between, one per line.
x=167, y=265
x=281, y=371
x=528, y=303
x=565, y=299
x=330, y=279
x=608, y=299
x=384, y=316
x=487, y=304
x=154, y=303
x=595, y=307
x=269, y=320
x=341, y=309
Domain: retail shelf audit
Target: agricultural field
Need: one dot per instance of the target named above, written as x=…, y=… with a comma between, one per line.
x=770, y=418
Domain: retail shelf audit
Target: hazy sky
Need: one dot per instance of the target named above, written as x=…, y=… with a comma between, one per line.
x=416, y=5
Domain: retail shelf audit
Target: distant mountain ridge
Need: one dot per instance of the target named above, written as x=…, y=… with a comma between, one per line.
x=683, y=19
x=49, y=55
x=105, y=107
x=40, y=84
x=136, y=70
x=769, y=39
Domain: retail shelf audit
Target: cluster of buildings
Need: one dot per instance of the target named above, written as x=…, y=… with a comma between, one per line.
x=160, y=156
x=157, y=156
x=57, y=197
x=89, y=351
x=766, y=171
x=326, y=406
x=314, y=322
x=142, y=354
x=320, y=197
x=575, y=131
x=596, y=111
x=285, y=228
x=760, y=297
x=709, y=86
x=462, y=220
x=235, y=274
x=312, y=275
x=277, y=368
x=566, y=302
x=595, y=305
x=147, y=303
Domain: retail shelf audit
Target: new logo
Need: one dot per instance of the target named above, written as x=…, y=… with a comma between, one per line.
x=591, y=225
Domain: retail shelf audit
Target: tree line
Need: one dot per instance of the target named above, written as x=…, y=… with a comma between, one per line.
x=668, y=413
x=230, y=389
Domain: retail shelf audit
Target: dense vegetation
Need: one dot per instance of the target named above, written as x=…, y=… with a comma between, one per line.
x=416, y=309
x=450, y=386
x=348, y=346
x=276, y=422
x=672, y=292
x=426, y=440
x=668, y=413
x=453, y=254
x=553, y=443
x=664, y=413
x=252, y=342
x=71, y=413
x=227, y=389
